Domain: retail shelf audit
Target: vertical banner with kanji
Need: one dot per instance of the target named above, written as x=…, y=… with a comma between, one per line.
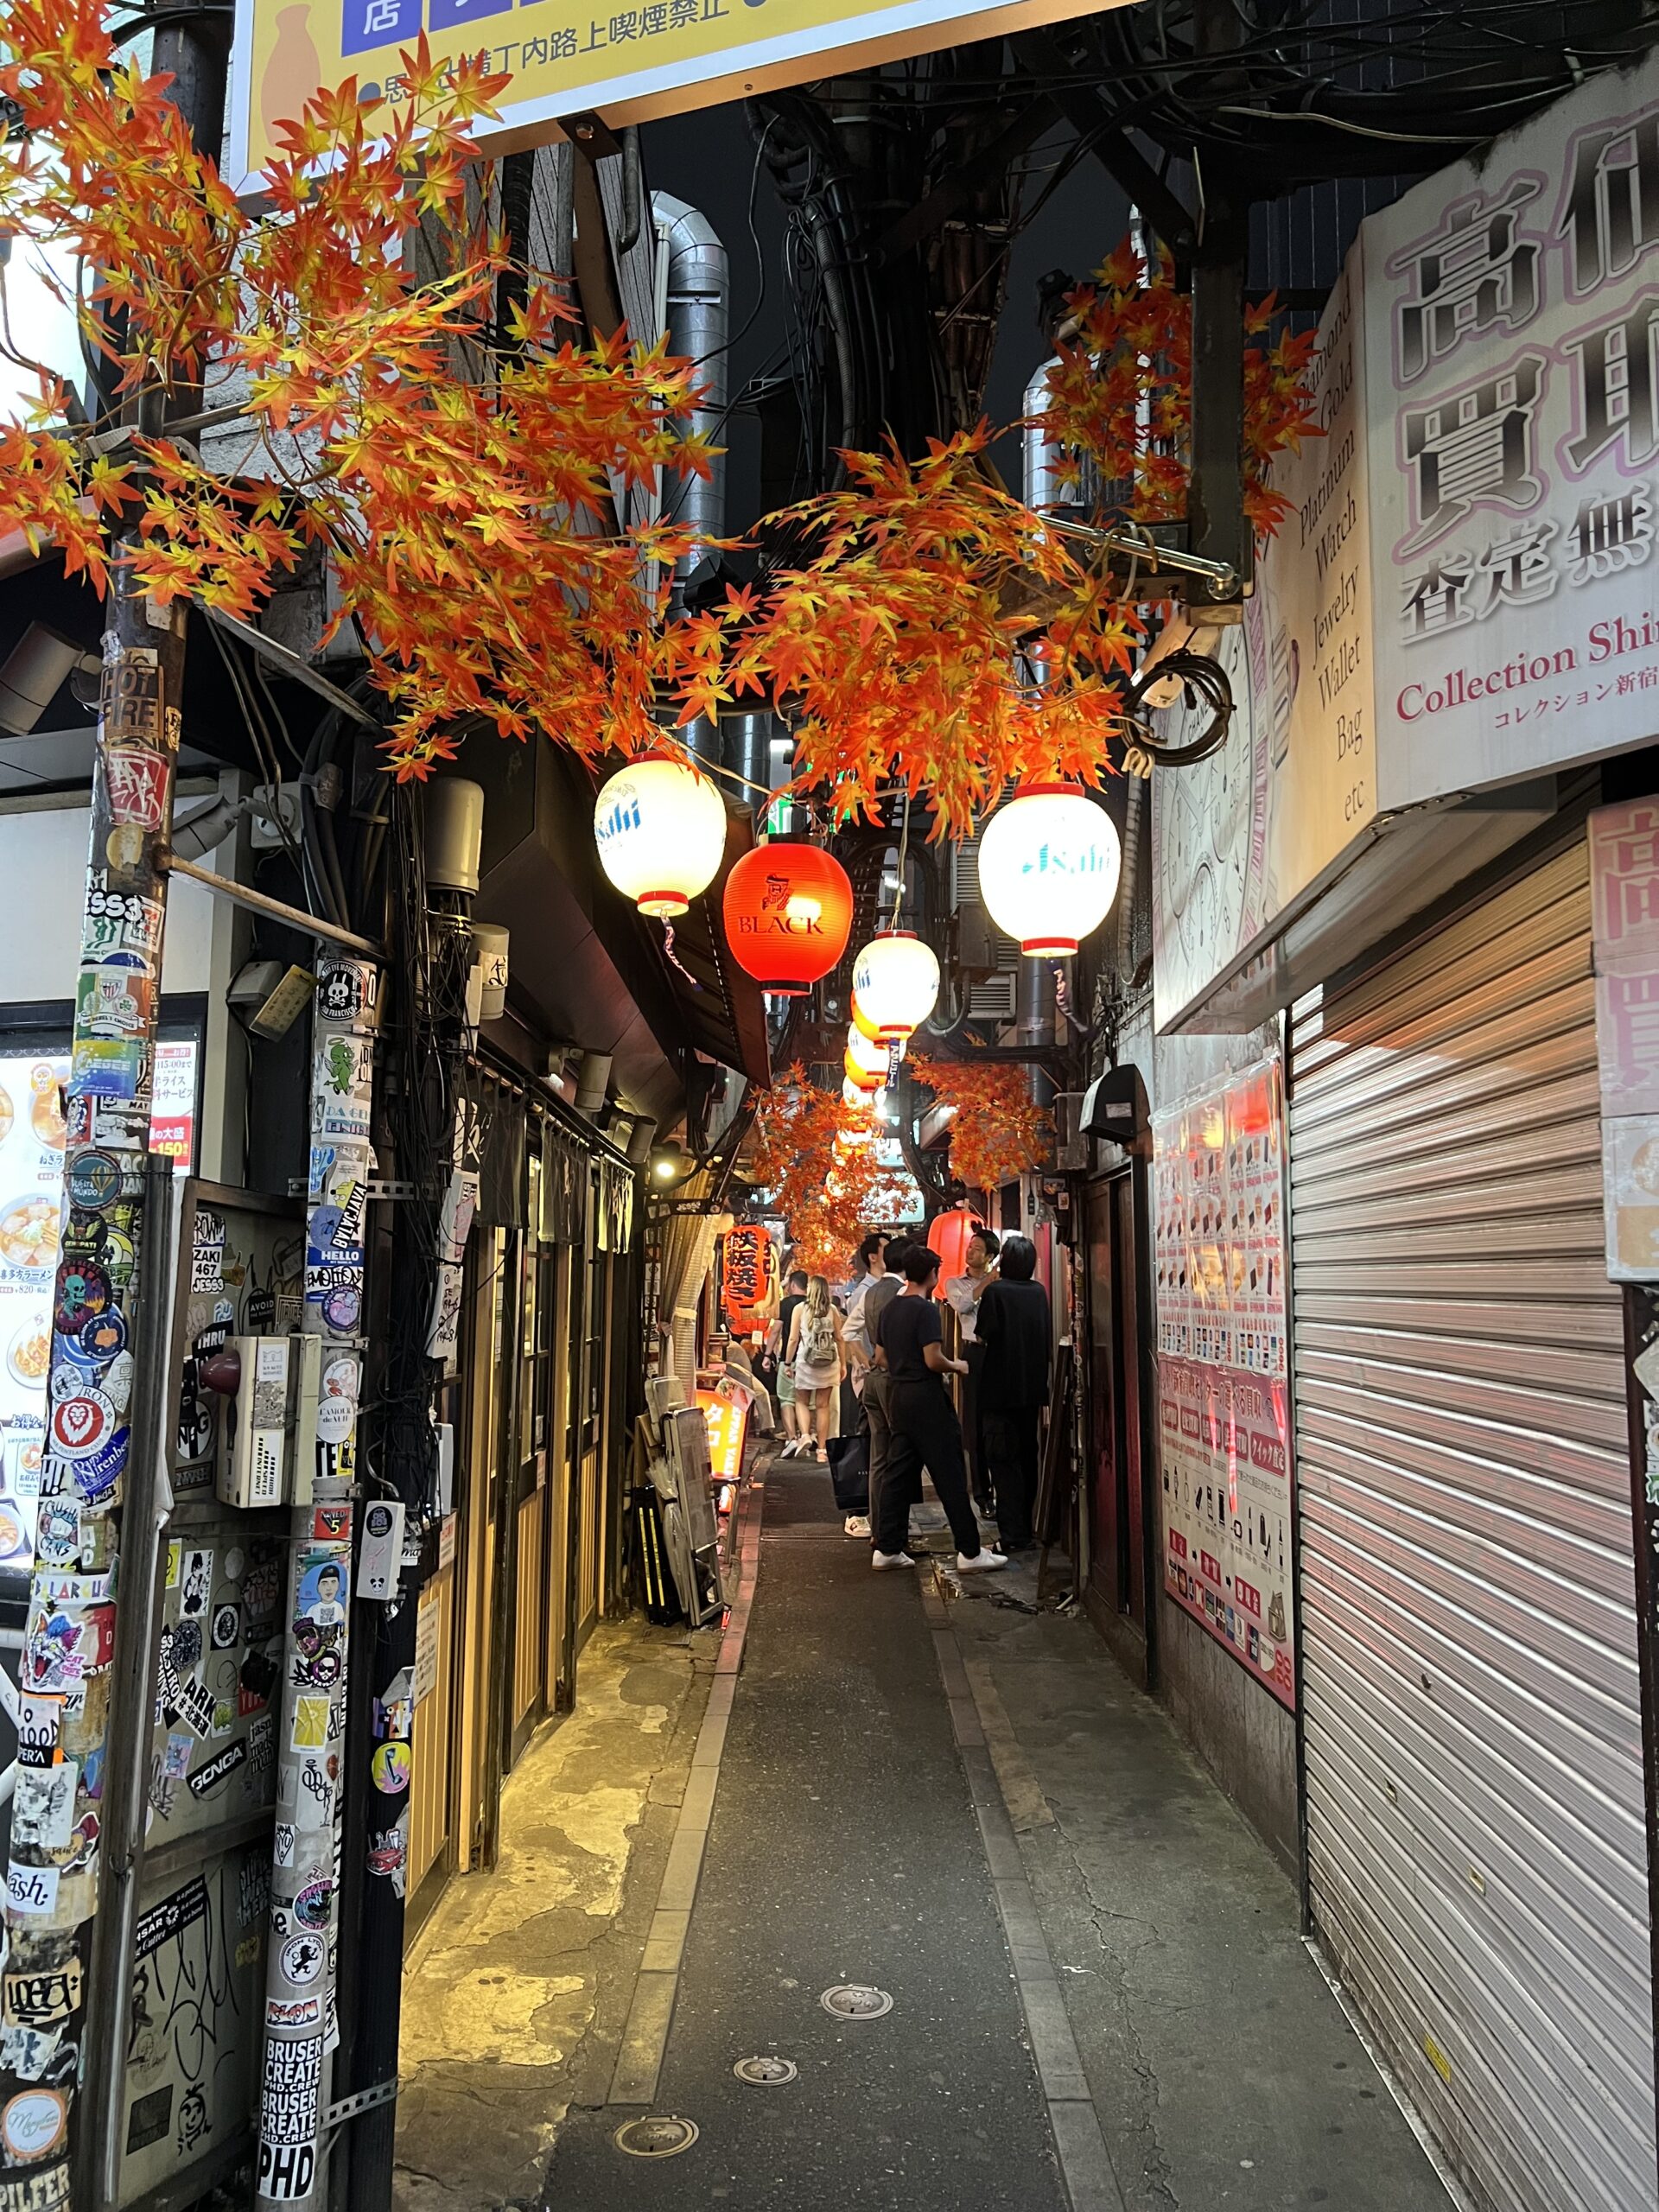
x=1624, y=917
x=1223, y=1394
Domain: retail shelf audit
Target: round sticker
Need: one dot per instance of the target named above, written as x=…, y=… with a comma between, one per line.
x=83, y=1294
x=81, y=1424
x=234, y=1564
x=117, y=1382
x=101, y=1338
x=187, y=1645
x=391, y=1767
x=340, y=1379
x=94, y=1178
x=341, y=1308
x=311, y=1906
x=32, y=2123
x=335, y=1418
x=302, y=1960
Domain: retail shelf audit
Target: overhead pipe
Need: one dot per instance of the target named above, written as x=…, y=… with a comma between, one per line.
x=698, y=316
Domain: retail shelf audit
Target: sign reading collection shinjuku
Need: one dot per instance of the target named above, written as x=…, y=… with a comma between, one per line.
x=568, y=57
x=1218, y=1259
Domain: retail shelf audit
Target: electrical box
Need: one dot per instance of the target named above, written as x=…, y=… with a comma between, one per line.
x=446, y=1499
x=308, y=1394
x=254, y=1435
x=380, y=1553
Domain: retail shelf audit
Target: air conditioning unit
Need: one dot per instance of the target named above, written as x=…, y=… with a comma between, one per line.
x=993, y=999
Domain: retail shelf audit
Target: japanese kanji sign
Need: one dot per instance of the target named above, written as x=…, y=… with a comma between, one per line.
x=565, y=57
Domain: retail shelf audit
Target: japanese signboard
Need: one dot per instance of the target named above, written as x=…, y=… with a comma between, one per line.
x=564, y=57
x=1462, y=596
x=748, y=1268
x=1223, y=1406
x=726, y=1414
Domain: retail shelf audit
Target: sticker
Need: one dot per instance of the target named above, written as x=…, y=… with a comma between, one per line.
x=31, y=1888
x=309, y=1731
x=117, y=1382
x=198, y=1587
x=81, y=1424
x=323, y=1590
x=391, y=1768
x=43, y=1809
x=186, y=1644
x=262, y=1743
x=97, y=1475
x=218, y=1768
x=293, y=2012
x=331, y=1525
x=83, y=1294
x=137, y=782
x=224, y=1716
x=175, y=1759
x=227, y=1627
x=130, y=693
x=312, y=1904
x=112, y=1005
x=234, y=1564
x=107, y=1067
x=341, y=1308
x=196, y=1705
x=171, y=1917
x=57, y=1531
x=336, y=1417
x=389, y=1853
x=93, y=1179
x=101, y=1338
x=248, y=1949
x=314, y=1793
x=38, y=1999
x=283, y=1844
x=290, y=2105
x=39, y=1721
x=345, y=989
x=35, y=2123
x=302, y=1959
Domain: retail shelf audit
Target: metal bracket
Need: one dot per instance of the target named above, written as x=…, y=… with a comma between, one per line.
x=365, y=2100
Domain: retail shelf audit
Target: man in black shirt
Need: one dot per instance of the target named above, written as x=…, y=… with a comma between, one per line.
x=925, y=1432
x=792, y=1422
x=1013, y=1322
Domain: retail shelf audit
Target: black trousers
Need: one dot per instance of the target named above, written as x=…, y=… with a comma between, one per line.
x=926, y=1433
x=878, y=1391
x=1011, y=1451
x=980, y=1478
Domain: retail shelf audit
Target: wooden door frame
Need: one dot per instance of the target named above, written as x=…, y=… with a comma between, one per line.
x=1135, y=1648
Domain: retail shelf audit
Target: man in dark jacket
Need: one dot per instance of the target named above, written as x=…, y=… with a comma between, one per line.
x=1013, y=1324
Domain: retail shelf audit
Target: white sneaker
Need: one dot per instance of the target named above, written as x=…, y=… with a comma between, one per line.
x=857, y=1524
x=981, y=1562
x=880, y=1560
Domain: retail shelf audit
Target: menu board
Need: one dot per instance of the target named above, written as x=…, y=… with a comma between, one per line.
x=31, y=1178
x=31, y=1186
x=1219, y=1273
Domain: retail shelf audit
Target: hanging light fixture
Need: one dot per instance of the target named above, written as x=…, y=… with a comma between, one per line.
x=1049, y=863
x=896, y=984
x=861, y=1020
x=661, y=831
x=865, y=1063
x=788, y=910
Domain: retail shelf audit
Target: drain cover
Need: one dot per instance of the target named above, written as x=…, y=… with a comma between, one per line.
x=659, y=2135
x=766, y=2073
x=854, y=2001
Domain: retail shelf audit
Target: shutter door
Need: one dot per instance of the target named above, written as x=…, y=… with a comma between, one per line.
x=1476, y=1820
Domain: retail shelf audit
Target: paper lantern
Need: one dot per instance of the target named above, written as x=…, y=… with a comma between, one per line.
x=745, y=1267
x=788, y=909
x=861, y=1020
x=896, y=983
x=860, y=1079
x=1049, y=863
x=950, y=1234
x=661, y=832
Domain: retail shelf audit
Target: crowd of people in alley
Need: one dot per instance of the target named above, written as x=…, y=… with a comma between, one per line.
x=860, y=1368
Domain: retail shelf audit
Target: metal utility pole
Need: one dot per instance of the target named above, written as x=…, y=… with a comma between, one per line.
x=99, y=1327
x=301, y=2029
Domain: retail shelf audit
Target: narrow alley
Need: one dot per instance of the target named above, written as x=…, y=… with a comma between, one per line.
x=1098, y=1993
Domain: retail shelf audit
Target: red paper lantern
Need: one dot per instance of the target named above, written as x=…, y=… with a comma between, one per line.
x=788, y=911
x=950, y=1234
x=746, y=1272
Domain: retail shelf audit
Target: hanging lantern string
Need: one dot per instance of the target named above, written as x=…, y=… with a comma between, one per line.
x=904, y=850
x=674, y=957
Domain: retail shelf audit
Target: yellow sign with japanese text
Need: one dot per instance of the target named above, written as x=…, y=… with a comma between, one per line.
x=572, y=57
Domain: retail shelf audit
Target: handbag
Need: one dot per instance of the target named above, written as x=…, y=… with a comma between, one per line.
x=849, y=1472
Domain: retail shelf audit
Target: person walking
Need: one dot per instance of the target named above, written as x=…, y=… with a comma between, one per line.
x=925, y=1432
x=877, y=1392
x=1014, y=1334
x=962, y=1294
x=793, y=1429
x=815, y=1352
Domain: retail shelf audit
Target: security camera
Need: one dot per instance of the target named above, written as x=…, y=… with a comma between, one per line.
x=36, y=668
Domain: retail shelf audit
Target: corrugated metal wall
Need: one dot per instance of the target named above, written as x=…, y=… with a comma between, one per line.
x=1476, y=1821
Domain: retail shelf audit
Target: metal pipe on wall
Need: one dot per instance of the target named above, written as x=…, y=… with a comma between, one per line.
x=698, y=314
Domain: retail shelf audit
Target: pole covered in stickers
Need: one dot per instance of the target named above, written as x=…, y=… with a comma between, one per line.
x=301, y=2031
x=70, y=1633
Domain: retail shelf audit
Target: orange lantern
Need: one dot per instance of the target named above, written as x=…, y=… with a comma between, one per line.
x=862, y=1022
x=950, y=1234
x=745, y=1258
x=788, y=910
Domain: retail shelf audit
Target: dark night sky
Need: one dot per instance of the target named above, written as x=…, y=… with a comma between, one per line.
x=707, y=158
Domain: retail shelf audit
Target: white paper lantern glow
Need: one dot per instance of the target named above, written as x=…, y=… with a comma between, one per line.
x=1049, y=863
x=896, y=983
x=661, y=832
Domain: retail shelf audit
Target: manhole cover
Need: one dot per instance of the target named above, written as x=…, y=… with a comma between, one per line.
x=660, y=2135
x=766, y=2073
x=853, y=2000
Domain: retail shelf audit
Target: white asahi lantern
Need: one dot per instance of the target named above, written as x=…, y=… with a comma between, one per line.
x=661, y=832
x=1049, y=861
x=896, y=983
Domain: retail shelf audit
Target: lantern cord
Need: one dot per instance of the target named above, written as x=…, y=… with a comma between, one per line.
x=904, y=850
x=674, y=959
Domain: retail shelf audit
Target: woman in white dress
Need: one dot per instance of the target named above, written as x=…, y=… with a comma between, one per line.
x=814, y=1352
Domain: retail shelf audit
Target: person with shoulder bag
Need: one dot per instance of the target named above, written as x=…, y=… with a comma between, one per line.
x=814, y=1353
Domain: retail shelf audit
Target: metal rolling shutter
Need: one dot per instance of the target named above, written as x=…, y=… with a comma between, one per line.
x=1476, y=1825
